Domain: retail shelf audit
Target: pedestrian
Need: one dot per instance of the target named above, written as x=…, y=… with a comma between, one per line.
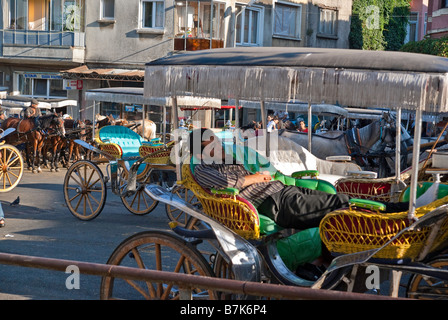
x=301, y=126
x=272, y=124
x=283, y=119
x=2, y=217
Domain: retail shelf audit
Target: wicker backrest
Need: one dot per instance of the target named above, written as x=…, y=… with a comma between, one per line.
x=234, y=212
x=157, y=153
x=353, y=230
x=384, y=190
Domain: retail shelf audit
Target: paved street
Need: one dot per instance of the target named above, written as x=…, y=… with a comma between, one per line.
x=42, y=226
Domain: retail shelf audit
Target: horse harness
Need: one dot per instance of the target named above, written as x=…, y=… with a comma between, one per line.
x=37, y=127
x=354, y=145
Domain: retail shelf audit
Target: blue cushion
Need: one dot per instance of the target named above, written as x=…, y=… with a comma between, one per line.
x=128, y=140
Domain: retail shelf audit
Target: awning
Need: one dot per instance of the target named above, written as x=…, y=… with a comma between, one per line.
x=135, y=96
x=321, y=109
x=85, y=73
x=22, y=102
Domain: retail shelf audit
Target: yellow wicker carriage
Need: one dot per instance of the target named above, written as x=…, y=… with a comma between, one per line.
x=354, y=230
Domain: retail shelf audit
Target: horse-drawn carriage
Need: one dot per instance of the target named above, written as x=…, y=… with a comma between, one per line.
x=120, y=147
x=84, y=186
x=247, y=247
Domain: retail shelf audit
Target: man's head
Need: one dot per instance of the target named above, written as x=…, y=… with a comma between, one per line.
x=34, y=103
x=205, y=145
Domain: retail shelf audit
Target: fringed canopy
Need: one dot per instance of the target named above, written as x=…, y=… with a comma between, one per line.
x=135, y=95
x=311, y=75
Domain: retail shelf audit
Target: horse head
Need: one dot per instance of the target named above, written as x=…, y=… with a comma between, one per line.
x=57, y=123
x=388, y=130
x=102, y=121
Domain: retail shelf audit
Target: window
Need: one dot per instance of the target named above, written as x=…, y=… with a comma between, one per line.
x=199, y=25
x=328, y=19
x=41, y=85
x=46, y=15
x=412, y=31
x=248, y=26
x=287, y=20
x=152, y=14
x=107, y=9
x=444, y=3
x=196, y=19
x=425, y=26
x=18, y=14
x=218, y=20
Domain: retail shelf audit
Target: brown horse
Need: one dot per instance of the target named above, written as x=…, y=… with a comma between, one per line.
x=62, y=148
x=78, y=131
x=32, y=131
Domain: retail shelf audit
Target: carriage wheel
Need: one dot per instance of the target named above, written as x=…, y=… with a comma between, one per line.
x=11, y=169
x=175, y=214
x=85, y=190
x=140, y=203
x=155, y=250
x=425, y=287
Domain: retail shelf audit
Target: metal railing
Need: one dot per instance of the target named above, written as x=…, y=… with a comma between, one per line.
x=43, y=38
x=186, y=282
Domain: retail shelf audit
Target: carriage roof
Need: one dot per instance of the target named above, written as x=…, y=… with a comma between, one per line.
x=135, y=96
x=22, y=102
x=320, y=109
x=313, y=75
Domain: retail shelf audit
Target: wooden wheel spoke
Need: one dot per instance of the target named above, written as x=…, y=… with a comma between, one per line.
x=89, y=203
x=94, y=199
x=15, y=175
x=95, y=182
x=9, y=180
x=77, y=182
x=176, y=270
x=141, y=265
x=74, y=197
x=144, y=199
x=79, y=202
x=139, y=289
x=133, y=199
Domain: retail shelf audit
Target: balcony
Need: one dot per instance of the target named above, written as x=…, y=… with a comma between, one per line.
x=36, y=44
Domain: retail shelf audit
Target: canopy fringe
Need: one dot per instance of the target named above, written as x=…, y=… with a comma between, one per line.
x=361, y=88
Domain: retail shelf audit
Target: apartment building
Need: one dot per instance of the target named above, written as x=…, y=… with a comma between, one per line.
x=438, y=18
x=59, y=49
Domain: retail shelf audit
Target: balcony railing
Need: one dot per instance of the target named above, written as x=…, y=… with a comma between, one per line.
x=43, y=38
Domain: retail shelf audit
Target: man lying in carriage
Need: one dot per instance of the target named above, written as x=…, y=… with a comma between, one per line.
x=290, y=206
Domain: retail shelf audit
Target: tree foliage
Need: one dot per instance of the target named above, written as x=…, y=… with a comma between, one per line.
x=437, y=47
x=379, y=24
